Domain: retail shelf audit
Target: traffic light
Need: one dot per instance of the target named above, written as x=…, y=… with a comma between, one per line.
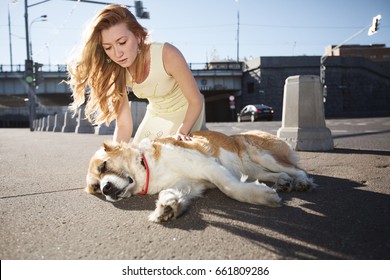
x=29, y=71
x=139, y=10
x=375, y=25
x=38, y=73
x=322, y=73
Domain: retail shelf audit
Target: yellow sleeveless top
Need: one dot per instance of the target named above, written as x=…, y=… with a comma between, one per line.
x=167, y=104
x=161, y=90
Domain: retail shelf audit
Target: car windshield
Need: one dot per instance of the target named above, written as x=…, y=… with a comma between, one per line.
x=261, y=106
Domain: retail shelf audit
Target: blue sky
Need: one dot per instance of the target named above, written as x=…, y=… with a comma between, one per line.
x=204, y=30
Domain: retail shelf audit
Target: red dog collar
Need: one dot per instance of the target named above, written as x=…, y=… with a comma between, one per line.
x=145, y=190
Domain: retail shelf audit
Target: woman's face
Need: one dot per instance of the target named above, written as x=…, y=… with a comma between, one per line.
x=120, y=44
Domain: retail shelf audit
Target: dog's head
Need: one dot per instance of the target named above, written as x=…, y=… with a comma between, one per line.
x=114, y=171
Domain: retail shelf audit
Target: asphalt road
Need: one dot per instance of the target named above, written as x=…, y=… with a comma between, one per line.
x=45, y=214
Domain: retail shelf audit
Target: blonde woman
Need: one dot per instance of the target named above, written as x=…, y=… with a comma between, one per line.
x=116, y=55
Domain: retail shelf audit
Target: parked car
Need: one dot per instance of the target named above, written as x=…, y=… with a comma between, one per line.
x=256, y=112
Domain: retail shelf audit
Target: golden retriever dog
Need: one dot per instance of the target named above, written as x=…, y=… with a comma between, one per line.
x=181, y=170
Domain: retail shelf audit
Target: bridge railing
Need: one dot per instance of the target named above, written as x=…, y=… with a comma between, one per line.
x=224, y=65
x=45, y=68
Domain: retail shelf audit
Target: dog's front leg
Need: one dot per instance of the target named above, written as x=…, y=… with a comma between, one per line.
x=173, y=202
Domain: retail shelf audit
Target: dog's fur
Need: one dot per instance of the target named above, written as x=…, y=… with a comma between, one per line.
x=182, y=170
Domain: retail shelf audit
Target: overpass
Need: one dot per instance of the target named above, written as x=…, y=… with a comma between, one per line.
x=217, y=81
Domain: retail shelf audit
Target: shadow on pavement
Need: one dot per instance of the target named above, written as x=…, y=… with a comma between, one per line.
x=361, y=134
x=358, y=152
x=338, y=220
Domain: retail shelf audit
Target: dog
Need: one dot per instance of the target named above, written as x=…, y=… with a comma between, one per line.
x=181, y=170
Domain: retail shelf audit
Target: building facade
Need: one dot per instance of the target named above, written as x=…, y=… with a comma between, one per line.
x=376, y=52
x=357, y=86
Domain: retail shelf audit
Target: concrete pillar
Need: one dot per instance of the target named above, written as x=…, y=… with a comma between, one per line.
x=303, y=121
x=69, y=122
x=83, y=125
x=58, y=122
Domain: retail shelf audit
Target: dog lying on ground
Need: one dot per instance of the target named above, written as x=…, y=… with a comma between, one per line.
x=181, y=170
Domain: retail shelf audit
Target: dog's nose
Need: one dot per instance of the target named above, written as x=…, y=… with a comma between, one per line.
x=108, y=188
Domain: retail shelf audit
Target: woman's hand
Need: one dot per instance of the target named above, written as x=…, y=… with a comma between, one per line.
x=182, y=137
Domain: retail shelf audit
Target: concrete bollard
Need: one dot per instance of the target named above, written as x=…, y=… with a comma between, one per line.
x=303, y=121
x=39, y=124
x=138, y=110
x=103, y=129
x=35, y=124
x=43, y=124
x=69, y=123
x=50, y=123
x=83, y=125
x=58, y=122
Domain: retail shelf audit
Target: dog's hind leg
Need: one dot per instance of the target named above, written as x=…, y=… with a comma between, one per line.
x=286, y=178
x=254, y=193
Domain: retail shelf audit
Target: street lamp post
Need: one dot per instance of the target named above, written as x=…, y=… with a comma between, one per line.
x=41, y=18
x=10, y=38
x=30, y=84
x=238, y=30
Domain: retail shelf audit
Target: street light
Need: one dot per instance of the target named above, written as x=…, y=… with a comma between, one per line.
x=372, y=29
x=41, y=18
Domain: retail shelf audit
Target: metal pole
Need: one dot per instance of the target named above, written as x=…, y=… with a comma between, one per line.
x=30, y=87
x=238, y=31
x=26, y=27
x=10, y=38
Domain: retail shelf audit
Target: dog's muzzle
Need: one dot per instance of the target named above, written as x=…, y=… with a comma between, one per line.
x=115, y=188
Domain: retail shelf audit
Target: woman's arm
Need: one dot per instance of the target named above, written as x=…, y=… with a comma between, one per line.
x=176, y=66
x=124, y=122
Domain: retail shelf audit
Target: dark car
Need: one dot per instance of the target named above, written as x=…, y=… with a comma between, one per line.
x=256, y=112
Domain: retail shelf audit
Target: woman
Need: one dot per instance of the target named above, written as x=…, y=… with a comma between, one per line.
x=116, y=55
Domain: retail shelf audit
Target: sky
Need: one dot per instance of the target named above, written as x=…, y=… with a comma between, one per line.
x=203, y=30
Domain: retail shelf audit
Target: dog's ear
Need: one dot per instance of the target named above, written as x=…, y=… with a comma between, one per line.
x=110, y=147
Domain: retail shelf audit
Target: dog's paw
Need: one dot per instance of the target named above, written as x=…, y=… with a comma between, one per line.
x=168, y=207
x=284, y=184
x=303, y=184
x=264, y=195
x=162, y=213
x=272, y=199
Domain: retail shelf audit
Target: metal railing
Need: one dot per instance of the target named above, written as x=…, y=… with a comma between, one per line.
x=21, y=68
x=193, y=66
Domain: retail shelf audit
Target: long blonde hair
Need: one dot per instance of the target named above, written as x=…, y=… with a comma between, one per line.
x=92, y=73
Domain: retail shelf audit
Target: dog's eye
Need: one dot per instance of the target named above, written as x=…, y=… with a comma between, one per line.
x=96, y=187
x=103, y=168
